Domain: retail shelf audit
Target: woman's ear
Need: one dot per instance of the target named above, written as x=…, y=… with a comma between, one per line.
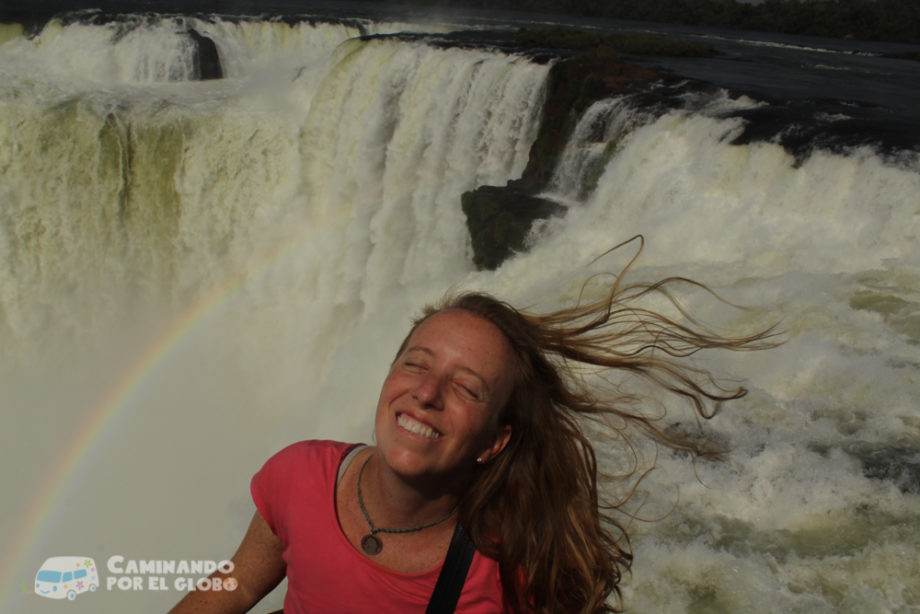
x=499, y=441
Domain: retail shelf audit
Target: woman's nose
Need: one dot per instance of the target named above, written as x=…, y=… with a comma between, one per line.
x=428, y=391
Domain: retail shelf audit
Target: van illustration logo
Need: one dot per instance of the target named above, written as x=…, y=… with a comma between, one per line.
x=63, y=577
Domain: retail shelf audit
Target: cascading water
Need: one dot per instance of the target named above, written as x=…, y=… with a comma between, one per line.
x=198, y=273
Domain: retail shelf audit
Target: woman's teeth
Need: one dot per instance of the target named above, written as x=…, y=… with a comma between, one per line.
x=416, y=427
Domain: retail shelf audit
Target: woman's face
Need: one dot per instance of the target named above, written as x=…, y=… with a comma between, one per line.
x=439, y=405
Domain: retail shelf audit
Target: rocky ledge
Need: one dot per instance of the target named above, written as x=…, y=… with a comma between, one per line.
x=499, y=218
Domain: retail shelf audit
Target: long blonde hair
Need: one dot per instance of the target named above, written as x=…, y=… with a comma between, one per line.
x=535, y=508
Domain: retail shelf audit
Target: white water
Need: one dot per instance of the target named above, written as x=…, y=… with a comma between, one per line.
x=305, y=207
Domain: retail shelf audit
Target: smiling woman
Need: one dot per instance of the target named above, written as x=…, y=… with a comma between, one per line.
x=439, y=406
x=480, y=432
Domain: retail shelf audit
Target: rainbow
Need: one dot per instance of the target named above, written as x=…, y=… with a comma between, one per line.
x=21, y=556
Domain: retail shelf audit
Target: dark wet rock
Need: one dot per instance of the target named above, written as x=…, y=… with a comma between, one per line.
x=499, y=220
x=573, y=85
x=803, y=126
x=898, y=463
x=208, y=60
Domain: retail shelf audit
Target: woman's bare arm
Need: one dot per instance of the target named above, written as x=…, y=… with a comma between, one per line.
x=257, y=568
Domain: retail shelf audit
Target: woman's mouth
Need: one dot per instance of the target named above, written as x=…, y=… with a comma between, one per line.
x=415, y=427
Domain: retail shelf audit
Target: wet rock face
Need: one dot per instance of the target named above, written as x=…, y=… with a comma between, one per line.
x=499, y=220
x=208, y=60
x=574, y=84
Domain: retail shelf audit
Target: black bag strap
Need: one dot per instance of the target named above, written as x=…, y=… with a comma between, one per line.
x=453, y=574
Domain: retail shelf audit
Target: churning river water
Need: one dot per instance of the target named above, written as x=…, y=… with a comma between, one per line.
x=194, y=274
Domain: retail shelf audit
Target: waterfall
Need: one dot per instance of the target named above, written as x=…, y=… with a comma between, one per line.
x=196, y=273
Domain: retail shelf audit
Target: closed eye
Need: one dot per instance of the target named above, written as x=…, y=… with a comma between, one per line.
x=470, y=393
x=415, y=360
x=413, y=366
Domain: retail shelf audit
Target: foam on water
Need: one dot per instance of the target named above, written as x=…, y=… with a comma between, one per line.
x=793, y=520
x=269, y=235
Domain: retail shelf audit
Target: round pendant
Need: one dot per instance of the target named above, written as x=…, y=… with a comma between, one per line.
x=371, y=545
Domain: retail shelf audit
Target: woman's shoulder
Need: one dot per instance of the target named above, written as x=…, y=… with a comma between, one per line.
x=312, y=450
x=482, y=591
x=305, y=464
